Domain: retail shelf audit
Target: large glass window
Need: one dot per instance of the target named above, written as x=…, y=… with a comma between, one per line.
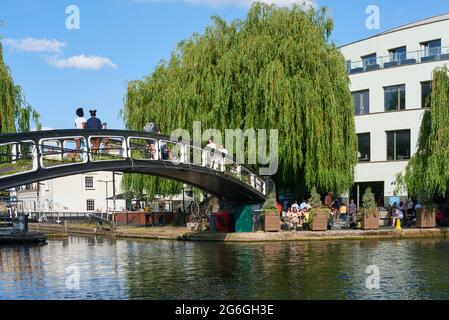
x=361, y=102
x=369, y=60
x=398, y=54
x=426, y=89
x=431, y=48
x=364, y=147
x=394, y=98
x=398, y=145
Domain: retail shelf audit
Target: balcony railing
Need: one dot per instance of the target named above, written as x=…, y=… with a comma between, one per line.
x=399, y=59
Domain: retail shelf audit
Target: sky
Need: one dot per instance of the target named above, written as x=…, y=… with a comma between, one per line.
x=62, y=62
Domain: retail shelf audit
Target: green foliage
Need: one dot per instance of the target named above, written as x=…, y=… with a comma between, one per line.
x=149, y=186
x=276, y=69
x=368, y=201
x=315, y=199
x=427, y=173
x=270, y=205
x=15, y=113
x=197, y=194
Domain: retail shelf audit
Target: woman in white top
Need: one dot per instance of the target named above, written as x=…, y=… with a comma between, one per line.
x=80, y=123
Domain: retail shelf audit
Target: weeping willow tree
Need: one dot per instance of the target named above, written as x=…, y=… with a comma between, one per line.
x=276, y=69
x=15, y=114
x=427, y=173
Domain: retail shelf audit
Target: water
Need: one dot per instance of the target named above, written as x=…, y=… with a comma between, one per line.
x=122, y=269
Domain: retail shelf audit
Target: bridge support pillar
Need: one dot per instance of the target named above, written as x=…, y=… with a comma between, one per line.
x=241, y=214
x=247, y=215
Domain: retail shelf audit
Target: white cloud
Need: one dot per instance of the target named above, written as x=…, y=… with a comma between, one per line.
x=281, y=3
x=55, y=47
x=82, y=62
x=35, y=45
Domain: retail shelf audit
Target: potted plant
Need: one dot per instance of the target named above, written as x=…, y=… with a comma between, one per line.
x=271, y=218
x=370, y=213
x=426, y=216
x=319, y=215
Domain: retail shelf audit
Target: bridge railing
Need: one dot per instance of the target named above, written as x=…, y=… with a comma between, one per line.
x=23, y=156
x=18, y=157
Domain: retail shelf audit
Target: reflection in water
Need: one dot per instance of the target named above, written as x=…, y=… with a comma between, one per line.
x=120, y=269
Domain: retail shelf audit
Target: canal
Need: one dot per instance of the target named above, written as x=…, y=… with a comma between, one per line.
x=103, y=268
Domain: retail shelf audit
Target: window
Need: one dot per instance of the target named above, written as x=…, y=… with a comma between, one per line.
x=394, y=97
x=398, y=54
x=398, y=145
x=431, y=48
x=426, y=89
x=361, y=102
x=90, y=205
x=364, y=153
x=88, y=183
x=369, y=60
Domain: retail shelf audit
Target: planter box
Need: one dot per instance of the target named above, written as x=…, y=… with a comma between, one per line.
x=425, y=218
x=194, y=226
x=319, y=220
x=370, y=220
x=272, y=222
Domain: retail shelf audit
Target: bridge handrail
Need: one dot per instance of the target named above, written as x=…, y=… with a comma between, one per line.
x=9, y=138
x=38, y=138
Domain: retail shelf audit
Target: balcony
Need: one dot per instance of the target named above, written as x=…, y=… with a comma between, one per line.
x=400, y=59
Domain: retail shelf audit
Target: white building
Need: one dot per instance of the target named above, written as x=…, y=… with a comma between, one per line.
x=390, y=77
x=78, y=193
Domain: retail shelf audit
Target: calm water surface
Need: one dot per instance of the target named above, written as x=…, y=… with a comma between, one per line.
x=121, y=269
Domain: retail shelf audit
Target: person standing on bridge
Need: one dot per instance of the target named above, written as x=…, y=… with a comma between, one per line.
x=94, y=123
x=150, y=148
x=222, y=157
x=210, y=152
x=80, y=123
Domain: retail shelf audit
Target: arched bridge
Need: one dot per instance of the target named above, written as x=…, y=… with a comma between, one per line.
x=42, y=155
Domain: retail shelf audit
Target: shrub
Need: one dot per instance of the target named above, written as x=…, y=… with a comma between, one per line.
x=368, y=201
x=270, y=204
x=315, y=199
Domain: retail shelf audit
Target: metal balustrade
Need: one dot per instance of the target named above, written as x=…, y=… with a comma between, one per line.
x=398, y=59
x=37, y=152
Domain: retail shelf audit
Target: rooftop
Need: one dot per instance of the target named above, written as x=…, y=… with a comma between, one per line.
x=418, y=23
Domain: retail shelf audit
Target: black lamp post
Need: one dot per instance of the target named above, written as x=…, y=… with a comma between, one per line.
x=184, y=203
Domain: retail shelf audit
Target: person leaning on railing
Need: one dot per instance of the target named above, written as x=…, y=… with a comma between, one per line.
x=94, y=123
x=80, y=123
x=150, y=148
x=105, y=141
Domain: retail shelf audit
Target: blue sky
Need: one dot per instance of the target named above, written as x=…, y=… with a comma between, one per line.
x=123, y=40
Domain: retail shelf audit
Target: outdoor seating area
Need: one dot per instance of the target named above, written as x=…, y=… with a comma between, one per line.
x=405, y=214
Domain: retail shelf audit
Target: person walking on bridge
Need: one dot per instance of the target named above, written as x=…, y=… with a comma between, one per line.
x=94, y=123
